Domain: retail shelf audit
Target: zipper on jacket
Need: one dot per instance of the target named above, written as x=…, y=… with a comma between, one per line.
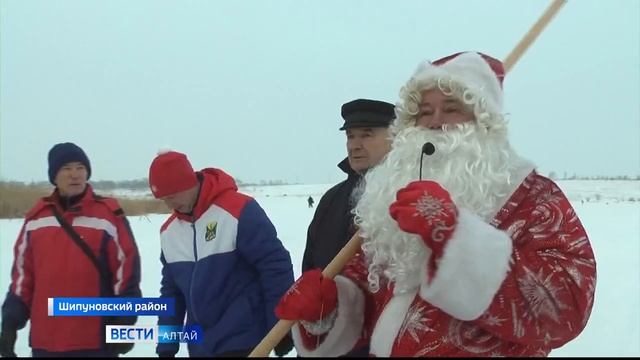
x=195, y=246
x=193, y=273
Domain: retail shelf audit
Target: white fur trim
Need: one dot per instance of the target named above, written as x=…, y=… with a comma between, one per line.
x=321, y=326
x=347, y=328
x=389, y=323
x=162, y=151
x=474, y=264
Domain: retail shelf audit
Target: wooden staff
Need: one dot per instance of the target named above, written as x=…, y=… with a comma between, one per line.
x=281, y=328
x=532, y=34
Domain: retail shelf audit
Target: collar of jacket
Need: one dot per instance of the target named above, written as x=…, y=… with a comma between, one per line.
x=70, y=202
x=346, y=168
x=213, y=183
x=54, y=200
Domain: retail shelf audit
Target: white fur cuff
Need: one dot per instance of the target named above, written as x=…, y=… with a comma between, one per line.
x=347, y=327
x=322, y=326
x=471, y=270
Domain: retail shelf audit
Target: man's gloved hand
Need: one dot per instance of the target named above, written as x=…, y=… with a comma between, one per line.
x=312, y=298
x=8, y=337
x=284, y=346
x=425, y=208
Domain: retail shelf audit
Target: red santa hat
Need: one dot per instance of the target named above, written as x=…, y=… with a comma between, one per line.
x=474, y=78
x=171, y=173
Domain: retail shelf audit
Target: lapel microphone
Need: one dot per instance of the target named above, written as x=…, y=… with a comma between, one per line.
x=427, y=149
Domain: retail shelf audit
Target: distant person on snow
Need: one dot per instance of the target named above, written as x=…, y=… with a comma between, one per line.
x=49, y=263
x=310, y=201
x=221, y=260
x=484, y=257
x=366, y=124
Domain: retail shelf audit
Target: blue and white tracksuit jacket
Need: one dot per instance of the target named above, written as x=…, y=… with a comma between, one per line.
x=225, y=266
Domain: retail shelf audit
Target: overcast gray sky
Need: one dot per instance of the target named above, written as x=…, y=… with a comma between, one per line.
x=255, y=87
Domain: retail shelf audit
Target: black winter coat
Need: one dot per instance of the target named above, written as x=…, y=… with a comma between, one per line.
x=331, y=228
x=332, y=225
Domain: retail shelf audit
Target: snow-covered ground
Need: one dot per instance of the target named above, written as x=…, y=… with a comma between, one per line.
x=609, y=210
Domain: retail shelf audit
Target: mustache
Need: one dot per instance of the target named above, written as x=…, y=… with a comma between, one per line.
x=446, y=141
x=406, y=155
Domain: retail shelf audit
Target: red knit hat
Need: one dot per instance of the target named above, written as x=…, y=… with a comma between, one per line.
x=171, y=173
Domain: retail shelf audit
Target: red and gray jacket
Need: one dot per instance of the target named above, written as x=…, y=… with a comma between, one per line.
x=48, y=264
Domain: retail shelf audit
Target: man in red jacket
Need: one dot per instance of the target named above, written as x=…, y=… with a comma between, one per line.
x=485, y=257
x=49, y=264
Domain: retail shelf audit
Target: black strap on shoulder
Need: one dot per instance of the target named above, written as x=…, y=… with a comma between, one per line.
x=101, y=199
x=105, y=278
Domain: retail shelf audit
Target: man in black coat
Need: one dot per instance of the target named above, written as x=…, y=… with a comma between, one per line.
x=366, y=124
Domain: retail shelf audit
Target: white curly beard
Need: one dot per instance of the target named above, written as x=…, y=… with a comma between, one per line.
x=474, y=165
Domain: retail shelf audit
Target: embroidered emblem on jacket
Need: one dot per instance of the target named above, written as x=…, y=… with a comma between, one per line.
x=211, y=231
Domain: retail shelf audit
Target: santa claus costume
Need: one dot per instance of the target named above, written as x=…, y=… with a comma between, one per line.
x=484, y=257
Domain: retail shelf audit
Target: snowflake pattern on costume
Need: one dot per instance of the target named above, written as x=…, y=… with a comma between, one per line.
x=551, y=218
x=544, y=301
x=515, y=229
x=541, y=294
x=432, y=208
x=494, y=320
x=471, y=338
x=427, y=350
x=415, y=321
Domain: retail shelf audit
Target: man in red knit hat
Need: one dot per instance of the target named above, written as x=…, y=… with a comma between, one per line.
x=222, y=259
x=484, y=257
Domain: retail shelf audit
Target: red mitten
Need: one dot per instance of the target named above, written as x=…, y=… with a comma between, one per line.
x=425, y=208
x=313, y=297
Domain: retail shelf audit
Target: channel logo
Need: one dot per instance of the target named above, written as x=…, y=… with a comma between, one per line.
x=129, y=334
x=163, y=334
